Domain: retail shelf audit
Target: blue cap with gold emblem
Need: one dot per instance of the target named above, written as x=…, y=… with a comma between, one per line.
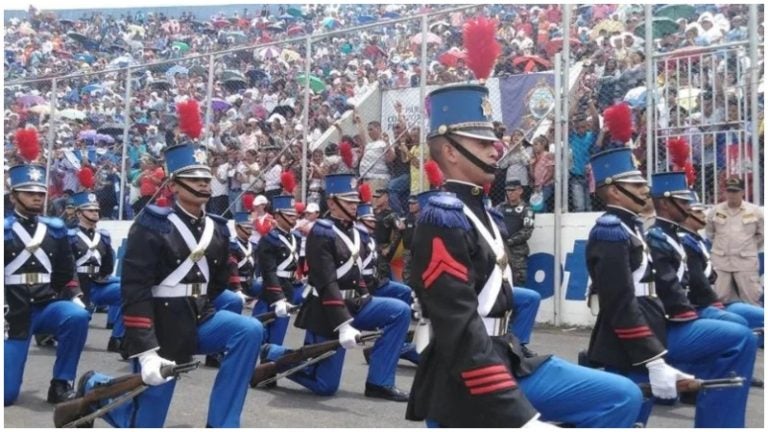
x=615, y=166
x=187, y=161
x=28, y=178
x=85, y=200
x=670, y=185
x=696, y=204
x=342, y=186
x=463, y=110
x=242, y=218
x=284, y=204
x=365, y=212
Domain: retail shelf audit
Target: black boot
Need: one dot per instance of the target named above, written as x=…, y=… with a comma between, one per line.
x=45, y=340
x=60, y=391
x=389, y=393
x=214, y=360
x=81, y=392
x=114, y=344
x=527, y=352
x=757, y=383
x=110, y=326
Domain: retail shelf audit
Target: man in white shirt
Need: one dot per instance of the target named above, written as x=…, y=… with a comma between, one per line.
x=376, y=154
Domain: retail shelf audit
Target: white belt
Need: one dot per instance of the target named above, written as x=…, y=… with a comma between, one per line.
x=496, y=326
x=89, y=269
x=242, y=279
x=285, y=274
x=367, y=272
x=28, y=279
x=180, y=290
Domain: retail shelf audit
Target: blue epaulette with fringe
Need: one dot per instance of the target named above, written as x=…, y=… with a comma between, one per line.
x=155, y=218
x=499, y=219
x=364, y=234
x=323, y=228
x=608, y=228
x=445, y=212
x=233, y=244
x=8, y=226
x=56, y=226
x=273, y=238
x=106, y=236
x=689, y=241
x=657, y=239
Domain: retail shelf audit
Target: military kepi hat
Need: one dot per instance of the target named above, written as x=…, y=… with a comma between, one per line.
x=463, y=110
x=284, y=204
x=670, y=185
x=28, y=178
x=187, y=161
x=85, y=200
x=242, y=218
x=615, y=166
x=365, y=211
x=342, y=186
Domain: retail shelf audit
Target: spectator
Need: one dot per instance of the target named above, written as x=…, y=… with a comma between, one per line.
x=219, y=201
x=149, y=180
x=399, y=186
x=581, y=141
x=376, y=154
x=518, y=161
x=543, y=172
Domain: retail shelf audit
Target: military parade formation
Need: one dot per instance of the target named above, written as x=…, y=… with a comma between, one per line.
x=668, y=319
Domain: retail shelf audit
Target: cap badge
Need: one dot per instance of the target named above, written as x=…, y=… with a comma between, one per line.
x=35, y=174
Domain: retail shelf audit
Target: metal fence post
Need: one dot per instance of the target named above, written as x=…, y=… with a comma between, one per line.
x=560, y=97
x=126, y=127
x=650, y=86
x=423, y=102
x=305, y=119
x=565, y=64
x=51, y=138
x=209, y=103
x=755, y=109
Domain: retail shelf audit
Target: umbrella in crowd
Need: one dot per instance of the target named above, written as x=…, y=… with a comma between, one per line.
x=232, y=73
x=439, y=26
x=295, y=30
x=660, y=27
x=330, y=23
x=197, y=70
x=29, y=100
x=675, y=11
x=85, y=41
x=294, y=12
x=89, y=134
x=286, y=17
x=160, y=84
x=452, y=56
x=366, y=19
x=220, y=104
x=391, y=15
x=276, y=27
x=236, y=37
x=636, y=97
x=111, y=129
x=267, y=53
x=431, y=38
x=556, y=44
x=180, y=46
x=161, y=67
x=40, y=109
x=235, y=83
x=220, y=23
x=316, y=84
x=92, y=88
x=530, y=62
x=290, y=55
x=610, y=27
x=102, y=138
x=688, y=98
x=178, y=69
x=87, y=58
x=72, y=114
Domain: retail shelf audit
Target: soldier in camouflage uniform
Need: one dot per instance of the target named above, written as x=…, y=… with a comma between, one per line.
x=518, y=217
x=410, y=225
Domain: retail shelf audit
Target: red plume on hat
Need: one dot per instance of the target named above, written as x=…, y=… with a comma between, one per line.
x=248, y=202
x=481, y=46
x=618, y=120
x=345, y=150
x=189, y=118
x=365, y=193
x=27, y=143
x=434, y=175
x=300, y=207
x=288, y=181
x=86, y=178
x=679, y=153
x=162, y=201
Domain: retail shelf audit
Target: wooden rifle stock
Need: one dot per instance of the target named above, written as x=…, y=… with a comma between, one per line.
x=696, y=385
x=269, y=369
x=73, y=409
x=268, y=317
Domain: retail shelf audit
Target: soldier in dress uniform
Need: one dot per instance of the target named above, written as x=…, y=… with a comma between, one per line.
x=473, y=373
x=41, y=289
x=517, y=220
x=702, y=347
x=388, y=231
x=736, y=229
x=337, y=302
x=701, y=275
x=410, y=225
x=278, y=254
x=95, y=262
x=175, y=265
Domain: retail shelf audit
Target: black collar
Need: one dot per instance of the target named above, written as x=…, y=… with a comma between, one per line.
x=343, y=225
x=88, y=231
x=667, y=226
x=188, y=218
x=627, y=216
x=471, y=195
x=691, y=232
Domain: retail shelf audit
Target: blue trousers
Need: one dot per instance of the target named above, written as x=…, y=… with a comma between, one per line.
x=255, y=289
x=228, y=301
x=710, y=349
x=579, y=396
x=401, y=292
x=236, y=335
x=390, y=315
x=108, y=294
x=754, y=315
x=275, y=331
x=399, y=188
x=68, y=323
x=525, y=304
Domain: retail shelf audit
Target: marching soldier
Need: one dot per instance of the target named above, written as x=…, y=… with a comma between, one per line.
x=701, y=275
x=337, y=302
x=736, y=229
x=95, y=262
x=473, y=373
x=175, y=265
x=702, y=347
x=517, y=219
x=41, y=290
x=278, y=254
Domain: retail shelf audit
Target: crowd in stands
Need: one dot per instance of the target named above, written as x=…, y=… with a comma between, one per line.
x=258, y=94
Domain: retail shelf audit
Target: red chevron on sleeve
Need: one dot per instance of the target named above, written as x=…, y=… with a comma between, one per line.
x=633, y=332
x=488, y=379
x=137, y=322
x=442, y=262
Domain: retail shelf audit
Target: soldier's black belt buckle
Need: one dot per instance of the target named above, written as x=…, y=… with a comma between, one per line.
x=196, y=289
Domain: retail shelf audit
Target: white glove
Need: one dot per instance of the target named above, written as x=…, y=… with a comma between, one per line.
x=242, y=296
x=664, y=379
x=281, y=308
x=150, y=368
x=76, y=300
x=537, y=424
x=348, y=336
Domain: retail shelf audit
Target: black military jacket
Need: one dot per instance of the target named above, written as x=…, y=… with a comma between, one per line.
x=519, y=221
x=337, y=299
x=630, y=330
x=153, y=251
x=63, y=284
x=700, y=292
x=241, y=278
x=272, y=252
x=106, y=264
x=465, y=378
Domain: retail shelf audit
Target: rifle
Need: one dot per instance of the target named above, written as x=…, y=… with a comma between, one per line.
x=268, y=317
x=696, y=385
x=291, y=362
x=76, y=412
